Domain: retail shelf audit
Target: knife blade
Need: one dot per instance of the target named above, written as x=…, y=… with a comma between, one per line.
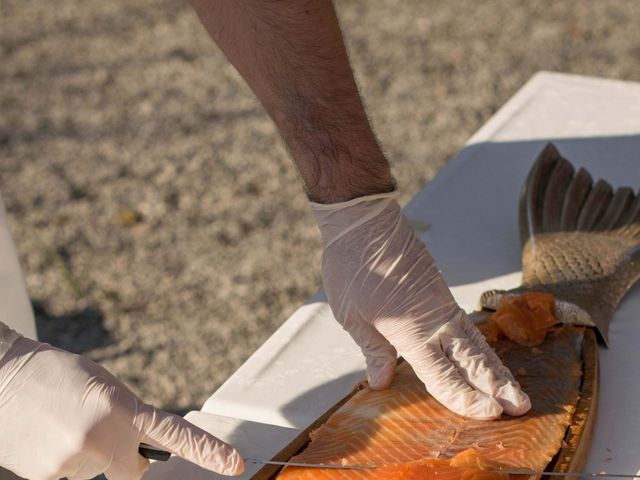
x=508, y=472
x=257, y=461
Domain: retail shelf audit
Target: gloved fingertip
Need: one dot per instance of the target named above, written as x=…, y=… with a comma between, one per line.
x=234, y=465
x=379, y=383
x=380, y=376
x=466, y=402
x=485, y=408
x=513, y=400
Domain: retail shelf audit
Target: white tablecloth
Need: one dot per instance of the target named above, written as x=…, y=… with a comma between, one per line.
x=471, y=208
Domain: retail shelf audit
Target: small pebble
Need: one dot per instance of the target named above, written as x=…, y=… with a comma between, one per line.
x=128, y=217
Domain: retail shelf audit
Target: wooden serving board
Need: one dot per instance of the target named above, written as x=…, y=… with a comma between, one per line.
x=571, y=457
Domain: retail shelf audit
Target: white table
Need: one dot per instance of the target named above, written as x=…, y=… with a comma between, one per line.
x=471, y=206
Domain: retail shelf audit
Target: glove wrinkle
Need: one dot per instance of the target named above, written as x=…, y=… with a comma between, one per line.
x=175, y=434
x=335, y=220
x=381, y=281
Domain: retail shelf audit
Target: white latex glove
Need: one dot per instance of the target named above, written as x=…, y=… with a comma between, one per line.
x=61, y=415
x=386, y=291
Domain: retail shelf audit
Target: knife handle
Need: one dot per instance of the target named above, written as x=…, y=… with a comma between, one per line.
x=153, y=453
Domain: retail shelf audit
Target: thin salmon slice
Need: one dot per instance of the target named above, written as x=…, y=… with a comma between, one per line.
x=525, y=319
x=403, y=429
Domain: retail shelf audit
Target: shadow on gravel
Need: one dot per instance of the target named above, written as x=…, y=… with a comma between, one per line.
x=78, y=331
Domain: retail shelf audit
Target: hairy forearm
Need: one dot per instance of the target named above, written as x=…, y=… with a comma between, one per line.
x=291, y=54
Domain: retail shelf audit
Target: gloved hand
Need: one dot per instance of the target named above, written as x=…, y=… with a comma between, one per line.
x=386, y=291
x=61, y=415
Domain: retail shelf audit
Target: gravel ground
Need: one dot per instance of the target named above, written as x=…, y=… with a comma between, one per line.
x=161, y=227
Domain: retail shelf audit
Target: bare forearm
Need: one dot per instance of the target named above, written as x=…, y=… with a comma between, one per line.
x=292, y=56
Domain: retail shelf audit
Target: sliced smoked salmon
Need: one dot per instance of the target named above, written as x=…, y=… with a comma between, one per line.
x=405, y=425
x=525, y=319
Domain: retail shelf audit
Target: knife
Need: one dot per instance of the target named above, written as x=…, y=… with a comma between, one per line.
x=150, y=452
x=508, y=472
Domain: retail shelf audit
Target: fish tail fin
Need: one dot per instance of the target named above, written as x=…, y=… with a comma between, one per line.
x=556, y=198
x=630, y=223
x=581, y=241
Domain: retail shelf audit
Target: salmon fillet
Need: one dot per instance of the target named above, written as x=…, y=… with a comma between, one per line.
x=525, y=319
x=402, y=427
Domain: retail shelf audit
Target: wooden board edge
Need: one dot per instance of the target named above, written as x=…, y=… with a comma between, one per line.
x=575, y=451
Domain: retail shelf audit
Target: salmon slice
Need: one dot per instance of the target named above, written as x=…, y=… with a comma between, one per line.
x=525, y=319
x=404, y=429
x=467, y=465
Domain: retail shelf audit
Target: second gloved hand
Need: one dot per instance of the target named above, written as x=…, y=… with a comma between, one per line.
x=387, y=292
x=61, y=415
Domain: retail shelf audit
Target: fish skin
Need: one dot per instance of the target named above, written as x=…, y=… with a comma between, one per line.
x=587, y=260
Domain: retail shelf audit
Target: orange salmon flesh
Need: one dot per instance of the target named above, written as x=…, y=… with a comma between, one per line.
x=525, y=319
x=408, y=433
